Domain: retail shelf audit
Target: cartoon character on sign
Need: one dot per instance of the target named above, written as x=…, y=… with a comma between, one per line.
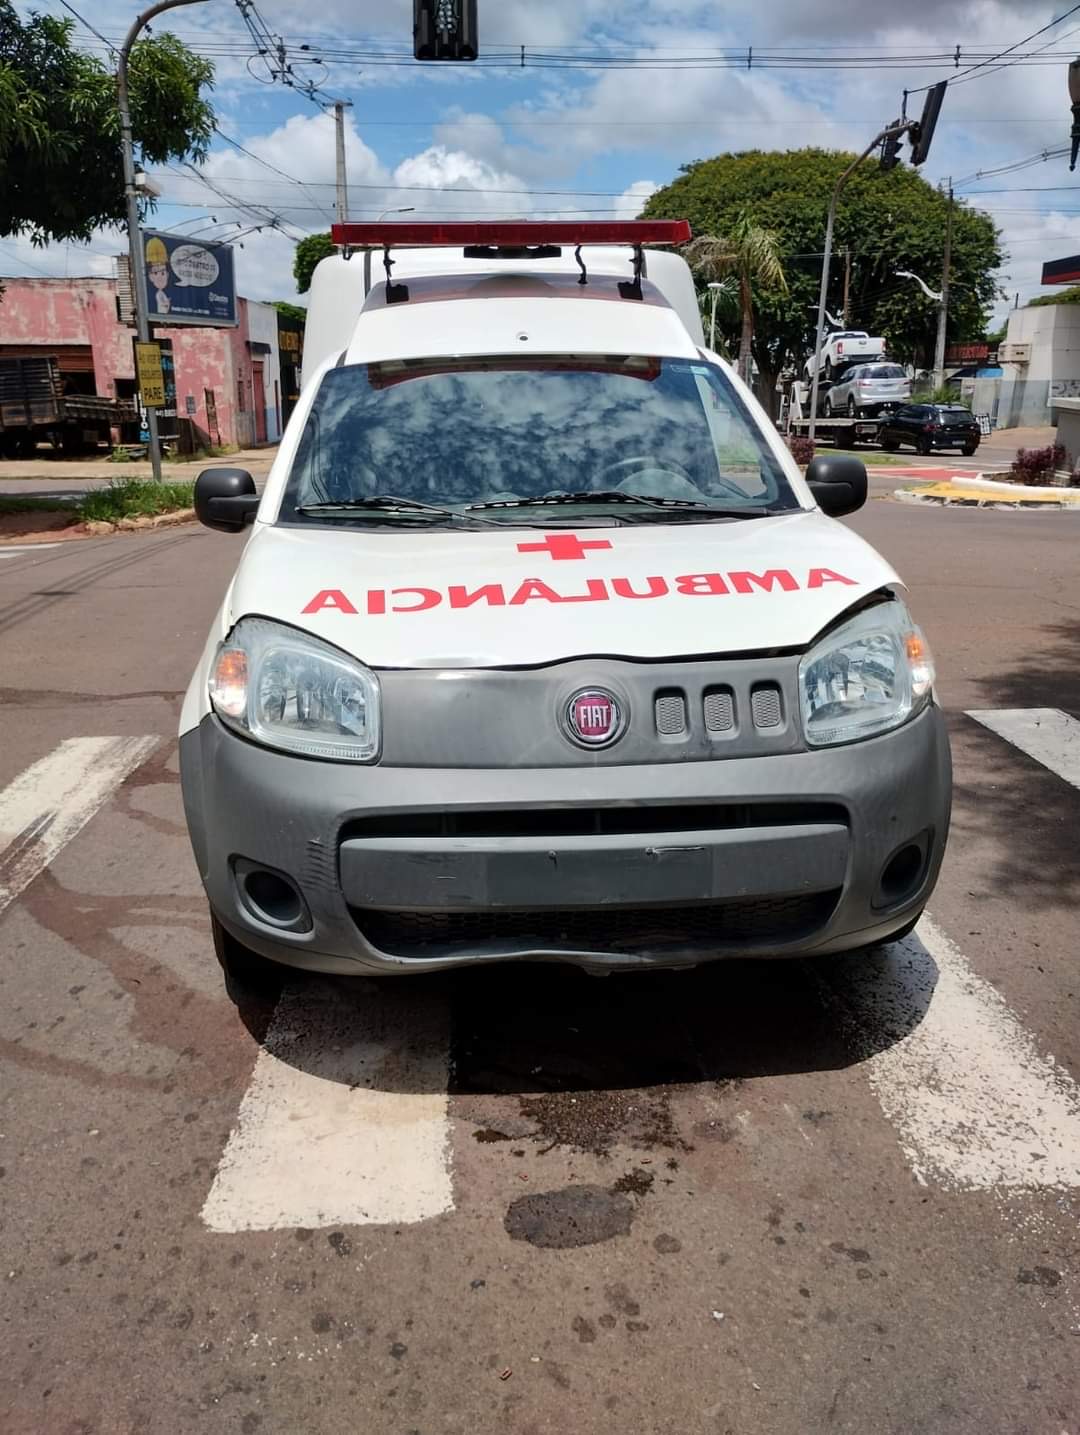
x=157, y=271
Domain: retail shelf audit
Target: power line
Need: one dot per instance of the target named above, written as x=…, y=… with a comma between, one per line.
x=291, y=178
x=83, y=21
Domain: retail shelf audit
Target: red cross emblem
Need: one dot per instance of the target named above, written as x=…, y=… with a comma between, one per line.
x=563, y=545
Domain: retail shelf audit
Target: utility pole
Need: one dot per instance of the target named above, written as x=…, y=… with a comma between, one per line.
x=131, y=200
x=847, y=288
x=890, y=132
x=939, y=347
x=342, y=203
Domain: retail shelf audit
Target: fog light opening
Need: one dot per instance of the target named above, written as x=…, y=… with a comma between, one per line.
x=902, y=873
x=271, y=897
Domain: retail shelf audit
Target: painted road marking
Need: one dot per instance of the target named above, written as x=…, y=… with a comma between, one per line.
x=346, y=1119
x=55, y=798
x=19, y=550
x=975, y=1104
x=1046, y=734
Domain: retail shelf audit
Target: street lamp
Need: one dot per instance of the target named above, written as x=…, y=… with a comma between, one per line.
x=941, y=299
x=131, y=197
x=1074, y=96
x=714, y=289
x=405, y=209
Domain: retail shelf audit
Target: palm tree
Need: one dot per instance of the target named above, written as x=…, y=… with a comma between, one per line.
x=750, y=254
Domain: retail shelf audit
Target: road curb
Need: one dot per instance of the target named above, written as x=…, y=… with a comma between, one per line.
x=945, y=500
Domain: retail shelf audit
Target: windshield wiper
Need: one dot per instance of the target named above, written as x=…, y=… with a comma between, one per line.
x=686, y=506
x=390, y=503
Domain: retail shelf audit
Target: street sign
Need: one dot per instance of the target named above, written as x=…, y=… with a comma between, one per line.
x=187, y=282
x=149, y=374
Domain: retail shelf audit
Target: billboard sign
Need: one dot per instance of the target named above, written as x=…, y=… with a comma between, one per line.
x=188, y=282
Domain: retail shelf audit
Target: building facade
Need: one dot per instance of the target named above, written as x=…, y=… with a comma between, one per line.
x=228, y=381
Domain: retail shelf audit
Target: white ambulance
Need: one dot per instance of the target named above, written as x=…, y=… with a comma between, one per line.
x=541, y=646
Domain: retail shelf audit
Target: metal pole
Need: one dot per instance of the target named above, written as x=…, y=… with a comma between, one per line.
x=131, y=201
x=823, y=296
x=342, y=181
x=712, y=322
x=943, y=310
x=847, y=288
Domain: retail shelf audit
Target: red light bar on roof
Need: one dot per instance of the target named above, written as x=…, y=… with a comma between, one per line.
x=500, y=233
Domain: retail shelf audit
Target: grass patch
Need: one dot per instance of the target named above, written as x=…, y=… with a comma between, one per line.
x=870, y=457
x=135, y=498
x=27, y=503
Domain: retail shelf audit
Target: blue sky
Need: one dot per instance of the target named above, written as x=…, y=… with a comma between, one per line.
x=478, y=140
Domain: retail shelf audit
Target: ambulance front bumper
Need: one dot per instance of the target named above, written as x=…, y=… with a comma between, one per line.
x=348, y=869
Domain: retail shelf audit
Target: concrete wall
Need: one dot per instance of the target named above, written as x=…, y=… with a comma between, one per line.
x=1028, y=390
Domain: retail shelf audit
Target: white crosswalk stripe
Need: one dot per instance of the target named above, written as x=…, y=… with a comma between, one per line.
x=346, y=1118
x=54, y=799
x=975, y=1104
x=1046, y=734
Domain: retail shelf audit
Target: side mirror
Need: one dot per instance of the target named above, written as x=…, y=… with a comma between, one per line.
x=838, y=483
x=225, y=499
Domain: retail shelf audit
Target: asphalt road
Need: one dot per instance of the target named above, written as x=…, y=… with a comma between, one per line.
x=753, y=1199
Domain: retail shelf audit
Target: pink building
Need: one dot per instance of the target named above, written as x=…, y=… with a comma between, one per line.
x=235, y=373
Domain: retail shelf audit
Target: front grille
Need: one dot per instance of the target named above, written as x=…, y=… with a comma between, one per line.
x=592, y=821
x=765, y=706
x=670, y=714
x=719, y=710
x=755, y=921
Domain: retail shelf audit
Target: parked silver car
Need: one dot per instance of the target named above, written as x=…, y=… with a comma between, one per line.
x=867, y=389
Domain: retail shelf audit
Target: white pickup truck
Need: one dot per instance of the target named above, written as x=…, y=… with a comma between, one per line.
x=844, y=347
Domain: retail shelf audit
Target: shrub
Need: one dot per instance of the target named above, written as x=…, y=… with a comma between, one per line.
x=1037, y=465
x=802, y=449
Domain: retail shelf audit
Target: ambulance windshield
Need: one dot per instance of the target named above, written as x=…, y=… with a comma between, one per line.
x=459, y=434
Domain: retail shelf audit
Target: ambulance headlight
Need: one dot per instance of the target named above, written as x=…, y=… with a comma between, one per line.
x=291, y=691
x=866, y=677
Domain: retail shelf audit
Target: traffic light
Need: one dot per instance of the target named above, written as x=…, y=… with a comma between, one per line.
x=890, y=148
x=444, y=30
x=923, y=132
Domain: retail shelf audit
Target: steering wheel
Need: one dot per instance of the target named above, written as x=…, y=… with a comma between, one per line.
x=665, y=478
x=645, y=463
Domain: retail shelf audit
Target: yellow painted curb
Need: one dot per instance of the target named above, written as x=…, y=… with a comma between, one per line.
x=975, y=496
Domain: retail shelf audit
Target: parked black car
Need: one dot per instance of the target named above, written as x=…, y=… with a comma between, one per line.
x=930, y=426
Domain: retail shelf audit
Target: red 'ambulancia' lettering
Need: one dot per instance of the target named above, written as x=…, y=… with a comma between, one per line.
x=534, y=588
x=818, y=576
x=376, y=601
x=622, y=588
x=429, y=598
x=700, y=583
x=491, y=593
x=329, y=598
x=743, y=582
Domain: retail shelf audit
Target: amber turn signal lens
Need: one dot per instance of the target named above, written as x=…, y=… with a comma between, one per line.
x=228, y=682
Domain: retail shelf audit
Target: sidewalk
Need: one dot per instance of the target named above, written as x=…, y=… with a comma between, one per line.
x=77, y=470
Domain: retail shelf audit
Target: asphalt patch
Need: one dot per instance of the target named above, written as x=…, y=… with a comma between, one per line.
x=573, y=1216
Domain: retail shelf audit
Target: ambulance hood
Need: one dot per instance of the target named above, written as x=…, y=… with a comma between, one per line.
x=513, y=597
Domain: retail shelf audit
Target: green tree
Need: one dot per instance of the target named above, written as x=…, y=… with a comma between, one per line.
x=749, y=254
x=887, y=221
x=308, y=253
x=291, y=311
x=60, y=168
